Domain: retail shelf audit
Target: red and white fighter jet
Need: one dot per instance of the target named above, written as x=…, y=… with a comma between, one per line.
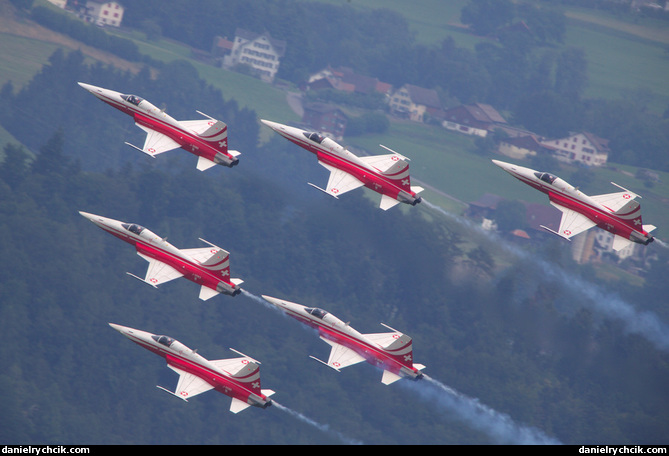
x=385, y=174
x=206, y=138
x=391, y=351
x=238, y=378
x=619, y=213
x=206, y=266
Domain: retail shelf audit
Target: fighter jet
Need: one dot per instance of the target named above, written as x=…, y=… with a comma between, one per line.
x=206, y=138
x=206, y=266
x=238, y=378
x=619, y=213
x=385, y=174
x=392, y=351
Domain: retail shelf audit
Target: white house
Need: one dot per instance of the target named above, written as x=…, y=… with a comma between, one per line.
x=585, y=148
x=414, y=102
x=476, y=119
x=104, y=13
x=259, y=51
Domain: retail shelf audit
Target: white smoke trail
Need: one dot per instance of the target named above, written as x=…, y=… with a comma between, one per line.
x=498, y=426
x=661, y=243
x=323, y=427
x=644, y=323
x=260, y=300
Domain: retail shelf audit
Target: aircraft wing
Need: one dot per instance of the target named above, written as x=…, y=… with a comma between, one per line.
x=341, y=357
x=384, y=339
x=198, y=126
x=615, y=201
x=340, y=181
x=236, y=366
x=381, y=162
x=201, y=254
x=157, y=143
x=159, y=272
x=189, y=385
x=572, y=222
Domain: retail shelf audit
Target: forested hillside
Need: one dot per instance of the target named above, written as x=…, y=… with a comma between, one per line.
x=526, y=334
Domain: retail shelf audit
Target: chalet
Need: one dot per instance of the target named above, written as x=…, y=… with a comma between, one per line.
x=414, y=102
x=221, y=47
x=585, y=148
x=347, y=80
x=104, y=13
x=59, y=3
x=261, y=52
x=325, y=118
x=475, y=119
x=520, y=147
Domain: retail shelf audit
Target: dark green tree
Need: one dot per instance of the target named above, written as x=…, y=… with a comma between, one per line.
x=486, y=16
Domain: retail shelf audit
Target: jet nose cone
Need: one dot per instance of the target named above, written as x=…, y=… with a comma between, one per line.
x=87, y=215
x=88, y=87
x=280, y=128
x=271, y=300
x=122, y=329
x=504, y=165
x=270, y=124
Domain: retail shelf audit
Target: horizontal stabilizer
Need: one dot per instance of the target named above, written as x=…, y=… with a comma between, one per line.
x=620, y=242
x=389, y=377
x=387, y=202
x=649, y=228
x=237, y=406
x=416, y=189
x=204, y=164
x=207, y=293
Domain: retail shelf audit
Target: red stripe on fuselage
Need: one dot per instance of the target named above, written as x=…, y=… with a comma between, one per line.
x=183, y=137
x=604, y=220
x=373, y=354
x=372, y=180
x=191, y=271
x=222, y=383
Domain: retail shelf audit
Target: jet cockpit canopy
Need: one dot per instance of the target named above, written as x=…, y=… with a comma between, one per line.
x=133, y=228
x=165, y=340
x=314, y=136
x=316, y=312
x=134, y=99
x=546, y=177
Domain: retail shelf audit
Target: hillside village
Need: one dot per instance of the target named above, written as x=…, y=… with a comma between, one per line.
x=334, y=97
x=419, y=104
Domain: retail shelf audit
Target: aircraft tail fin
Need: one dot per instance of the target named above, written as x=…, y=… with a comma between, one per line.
x=630, y=214
x=217, y=136
x=399, y=174
x=401, y=349
x=396, y=344
x=249, y=375
x=219, y=263
x=244, y=370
